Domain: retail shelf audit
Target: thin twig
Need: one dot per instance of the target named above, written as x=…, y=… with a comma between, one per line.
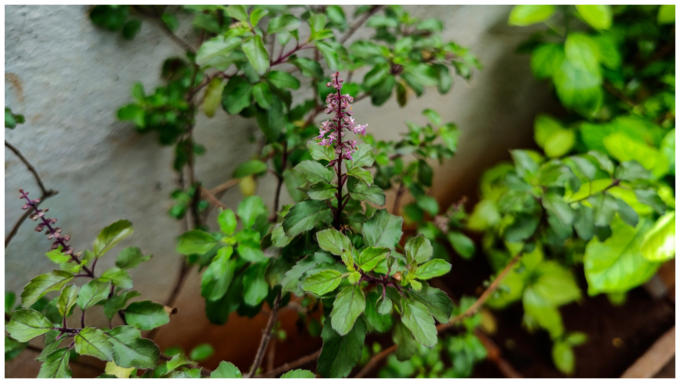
x=211, y=198
x=360, y=21
x=266, y=336
x=469, y=312
x=289, y=366
x=30, y=168
x=400, y=191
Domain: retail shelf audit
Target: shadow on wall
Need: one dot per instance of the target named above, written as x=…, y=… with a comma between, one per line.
x=114, y=173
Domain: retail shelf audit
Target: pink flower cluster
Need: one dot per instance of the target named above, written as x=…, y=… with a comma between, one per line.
x=340, y=105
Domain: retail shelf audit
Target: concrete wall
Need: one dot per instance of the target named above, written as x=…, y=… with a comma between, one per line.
x=68, y=78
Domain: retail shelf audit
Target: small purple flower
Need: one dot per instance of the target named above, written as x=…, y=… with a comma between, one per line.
x=341, y=106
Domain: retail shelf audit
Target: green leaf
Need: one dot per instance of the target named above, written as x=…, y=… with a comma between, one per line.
x=382, y=91
x=322, y=191
x=236, y=95
x=626, y=213
x=178, y=360
x=554, y=203
x=436, y=301
x=92, y=293
x=257, y=54
x=463, y=245
x=250, y=167
x=418, y=249
x=348, y=305
x=598, y=16
x=546, y=60
x=201, y=352
x=263, y=95
x=551, y=285
x=322, y=282
x=403, y=338
x=340, y=354
x=249, y=209
x=283, y=80
x=523, y=15
x=56, y=364
x=304, y=216
x=604, y=208
x=363, y=157
x=578, y=88
x=370, y=257
x=213, y=96
x=131, y=350
x=57, y=256
x=217, y=277
x=582, y=51
x=238, y=12
x=50, y=345
x=380, y=322
x=521, y=228
x=666, y=14
x=361, y=192
x=362, y=175
x=283, y=23
x=195, y=242
x=255, y=287
x=382, y=230
x=118, y=277
x=624, y=148
x=94, y=342
x=227, y=221
x=617, y=264
x=309, y=68
x=67, y=299
x=214, y=49
x=417, y=319
x=130, y=258
x=257, y=15
x=432, y=269
x=317, y=22
x=42, y=284
x=111, y=235
x=333, y=241
x=631, y=171
x=563, y=356
x=298, y=374
x=27, y=324
x=293, y=277
x=146, y=315
x=658, y=244
x=118, y=302
x=226, y=370
x=560, y=143
x=315, y=172
x=320, y=152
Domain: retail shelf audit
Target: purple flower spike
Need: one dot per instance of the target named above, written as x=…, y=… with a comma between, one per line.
x=331, y=131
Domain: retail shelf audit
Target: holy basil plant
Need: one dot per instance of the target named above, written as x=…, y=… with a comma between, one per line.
x=252, y=59
x=600, y=196
x=332, y=247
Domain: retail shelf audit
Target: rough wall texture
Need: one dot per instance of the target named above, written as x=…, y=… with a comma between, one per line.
x=68, y=78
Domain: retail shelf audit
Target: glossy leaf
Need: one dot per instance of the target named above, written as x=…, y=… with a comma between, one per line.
x=226, y=370
x=56, y=365
x=382, y=230
x=146, y=315
x=42, y=284
x=27, y=324
x=94, y=342
x=523, y=15
x=111, y=235
x=598, y=16
x=417, y=319
x=92, y=293
x=131, y=350
x=67, y=299
x=432, y=269
x=658, y=244
x=130, y=258
x=348, y=305
x=340, y=354
x=322, y=282
x=304, y=216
